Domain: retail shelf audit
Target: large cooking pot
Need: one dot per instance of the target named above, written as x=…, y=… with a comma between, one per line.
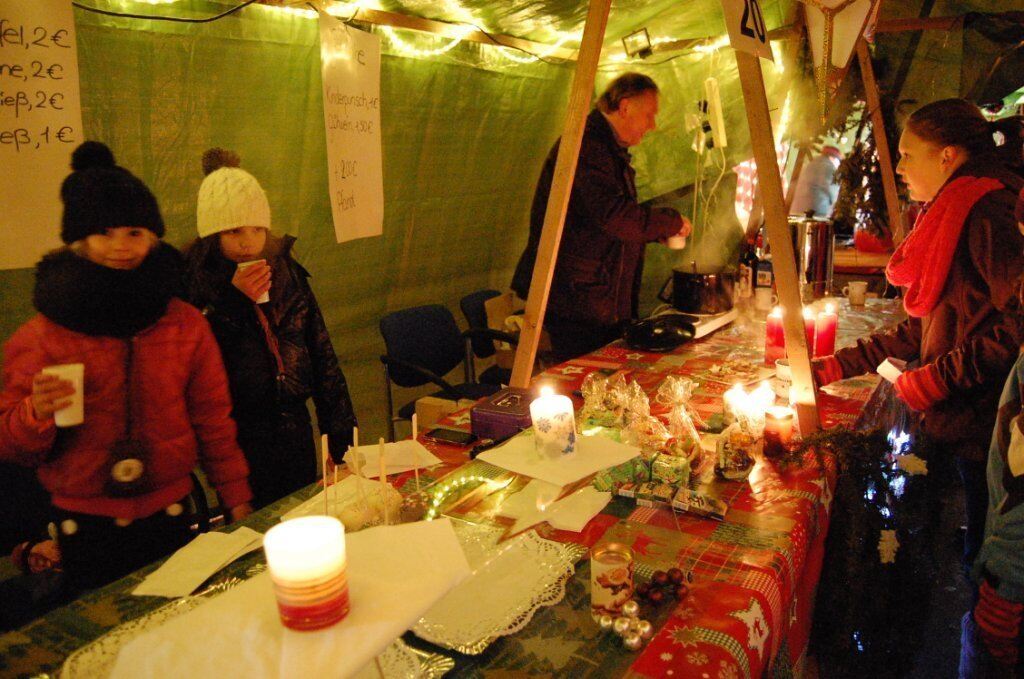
x=814, y=246
x=699, y=292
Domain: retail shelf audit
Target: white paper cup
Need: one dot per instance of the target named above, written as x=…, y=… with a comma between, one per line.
x=74, y=373
x=676, y=242
x=245, y=265
x=783, y=378
x=856, y=292
x=764, y=299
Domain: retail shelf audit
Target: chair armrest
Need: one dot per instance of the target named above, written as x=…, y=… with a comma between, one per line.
x=428, y=375
x=491, y=334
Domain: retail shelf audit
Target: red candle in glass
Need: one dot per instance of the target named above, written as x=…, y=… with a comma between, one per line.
x=825, y=332
x=774, y=338
x=809, y=328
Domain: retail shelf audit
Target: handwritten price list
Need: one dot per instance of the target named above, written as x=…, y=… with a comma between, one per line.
x=33, y=83
x=40, y=124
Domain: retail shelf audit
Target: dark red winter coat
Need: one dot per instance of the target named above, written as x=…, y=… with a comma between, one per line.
x=601, y=254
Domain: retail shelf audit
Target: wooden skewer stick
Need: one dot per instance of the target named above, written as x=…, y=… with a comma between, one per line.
x=357, y=469
x=383, y=483
x=416, y=454
x=323, y=448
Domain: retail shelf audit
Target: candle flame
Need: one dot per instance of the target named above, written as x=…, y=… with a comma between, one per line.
x=808, y=313
x=547, y=391
x=777, y=312
x=830, y=308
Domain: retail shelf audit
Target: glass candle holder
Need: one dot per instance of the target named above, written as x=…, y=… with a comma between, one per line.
x=554, y=424
x=778, y=430
x=611, y=578
x=307, y=564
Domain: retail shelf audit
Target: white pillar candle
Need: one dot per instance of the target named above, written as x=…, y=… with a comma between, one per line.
x=734, y=402
x=554, y=424
x=306, y=549
x=306, y=561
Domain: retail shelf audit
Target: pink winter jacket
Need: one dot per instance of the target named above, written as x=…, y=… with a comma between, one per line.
x=182, y=413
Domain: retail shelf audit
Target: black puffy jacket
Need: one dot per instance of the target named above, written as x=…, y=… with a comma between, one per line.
x=270, y=384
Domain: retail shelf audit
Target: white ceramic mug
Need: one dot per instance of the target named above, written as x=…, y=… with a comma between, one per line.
x=856, y=292
x=74, y=414
x=245, y=265
x=676, y=242
x=783, y=378
x=764, y=299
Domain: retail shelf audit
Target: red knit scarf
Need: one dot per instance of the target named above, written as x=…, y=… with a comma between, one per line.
x=921, y=262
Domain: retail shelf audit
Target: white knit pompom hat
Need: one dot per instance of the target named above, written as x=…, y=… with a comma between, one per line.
x=229, y=198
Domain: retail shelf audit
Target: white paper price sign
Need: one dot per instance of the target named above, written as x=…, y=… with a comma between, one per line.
x=350, y=66
x=40, y=124
x=747, y=30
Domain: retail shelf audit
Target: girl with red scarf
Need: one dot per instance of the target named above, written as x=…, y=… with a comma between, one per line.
x=960, y=269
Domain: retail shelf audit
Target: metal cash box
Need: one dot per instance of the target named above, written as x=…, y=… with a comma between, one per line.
x=502, y=415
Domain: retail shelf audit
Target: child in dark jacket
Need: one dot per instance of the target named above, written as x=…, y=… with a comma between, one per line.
x=270, y=330
x=156, y=400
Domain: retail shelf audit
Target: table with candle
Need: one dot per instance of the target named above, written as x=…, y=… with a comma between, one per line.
x=733, y=562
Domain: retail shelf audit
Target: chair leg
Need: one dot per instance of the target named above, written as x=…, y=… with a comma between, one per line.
x=468, y=364
x=391, y=404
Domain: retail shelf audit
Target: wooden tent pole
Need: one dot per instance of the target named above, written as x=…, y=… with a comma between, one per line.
x=558, y=200
x=798, y=167
x=892, y=199
x=783, y=258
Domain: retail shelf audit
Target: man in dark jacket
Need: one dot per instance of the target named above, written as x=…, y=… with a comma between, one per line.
x=599, y=267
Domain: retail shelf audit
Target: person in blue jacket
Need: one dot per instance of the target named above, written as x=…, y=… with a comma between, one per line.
x=991, y=637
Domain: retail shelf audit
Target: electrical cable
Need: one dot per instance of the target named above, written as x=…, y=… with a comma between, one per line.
x=128, y=15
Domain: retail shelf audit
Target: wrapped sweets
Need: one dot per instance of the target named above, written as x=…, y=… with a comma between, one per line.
x=736, y=451
x=357, y=515
x=648, y=494
x=637, y=470
x=646, y=432
x=676, y=392
x=671, y=469
x=698, y=503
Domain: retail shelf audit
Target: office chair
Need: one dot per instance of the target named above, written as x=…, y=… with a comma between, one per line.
x=423, y=345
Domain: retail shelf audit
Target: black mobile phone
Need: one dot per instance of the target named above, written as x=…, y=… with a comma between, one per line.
x=454, y=436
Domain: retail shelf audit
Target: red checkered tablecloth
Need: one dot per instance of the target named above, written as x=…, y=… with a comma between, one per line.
x=756, y=572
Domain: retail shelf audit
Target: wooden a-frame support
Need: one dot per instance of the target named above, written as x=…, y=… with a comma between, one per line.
x=561, y=186
x=892, y=200
x=777, y=224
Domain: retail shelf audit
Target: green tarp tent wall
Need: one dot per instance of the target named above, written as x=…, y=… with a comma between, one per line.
x=465, y=131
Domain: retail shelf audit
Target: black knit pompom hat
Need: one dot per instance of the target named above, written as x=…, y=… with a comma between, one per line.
x=99, y=194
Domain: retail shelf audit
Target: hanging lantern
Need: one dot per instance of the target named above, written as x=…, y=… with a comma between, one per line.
x=833, y=28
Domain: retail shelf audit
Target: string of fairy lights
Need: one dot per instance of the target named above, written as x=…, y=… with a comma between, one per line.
x=469, y=23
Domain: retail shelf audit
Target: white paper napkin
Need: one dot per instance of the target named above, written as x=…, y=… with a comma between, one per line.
x=401, y=456
x=395, y=573
x=339, y=494
x=533, y=504
x=593, y=453
x=191, y=565
x=891, y=368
